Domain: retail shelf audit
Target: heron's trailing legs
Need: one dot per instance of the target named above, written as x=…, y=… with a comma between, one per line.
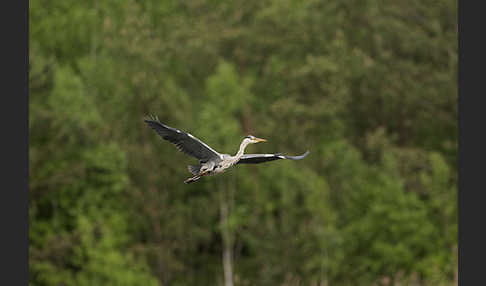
x=191, y=179
x=196, y=177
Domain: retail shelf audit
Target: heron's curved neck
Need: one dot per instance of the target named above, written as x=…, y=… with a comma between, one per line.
x=242, y=149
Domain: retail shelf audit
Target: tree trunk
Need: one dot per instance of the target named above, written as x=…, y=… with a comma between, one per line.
x=227, y=239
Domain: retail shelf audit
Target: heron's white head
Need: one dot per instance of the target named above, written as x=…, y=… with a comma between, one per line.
x=252, y=139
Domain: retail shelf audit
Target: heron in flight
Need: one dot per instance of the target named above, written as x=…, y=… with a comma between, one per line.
x=210, y=161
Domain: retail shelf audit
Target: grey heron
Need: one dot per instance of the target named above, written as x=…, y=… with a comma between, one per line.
x=210, y=161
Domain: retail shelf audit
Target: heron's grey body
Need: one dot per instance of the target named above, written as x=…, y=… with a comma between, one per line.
x=210, y=161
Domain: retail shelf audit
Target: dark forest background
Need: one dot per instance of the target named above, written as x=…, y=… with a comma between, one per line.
x=369, y=87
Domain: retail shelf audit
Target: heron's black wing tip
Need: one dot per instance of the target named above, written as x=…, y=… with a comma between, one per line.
x=303, y=155
x=151, y=118
x=300, y=157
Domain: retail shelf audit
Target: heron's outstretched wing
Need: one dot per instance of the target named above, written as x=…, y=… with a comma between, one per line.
x=262, y=158
x=184, y=142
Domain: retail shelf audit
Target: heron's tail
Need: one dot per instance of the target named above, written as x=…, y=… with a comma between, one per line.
x=194, y=169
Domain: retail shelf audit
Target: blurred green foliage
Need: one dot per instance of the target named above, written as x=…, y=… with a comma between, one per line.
x=370, y=87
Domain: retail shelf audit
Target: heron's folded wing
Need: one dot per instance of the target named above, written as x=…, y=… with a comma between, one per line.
x=262, y=158
x=184, y=142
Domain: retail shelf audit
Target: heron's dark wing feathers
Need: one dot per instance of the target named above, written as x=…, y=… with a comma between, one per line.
x=262, y=158
x=184, y=142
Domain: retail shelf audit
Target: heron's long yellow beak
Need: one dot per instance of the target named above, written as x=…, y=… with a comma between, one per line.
x=260, y=140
